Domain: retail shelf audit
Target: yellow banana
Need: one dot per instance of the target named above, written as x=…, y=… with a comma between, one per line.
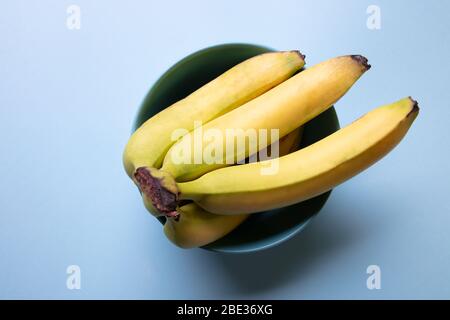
x=305, y=173
x=283, y=108
x=245, y=81
x=196, y=227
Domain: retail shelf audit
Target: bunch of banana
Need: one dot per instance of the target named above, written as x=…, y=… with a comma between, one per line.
x=203, y=200
x=247, y=80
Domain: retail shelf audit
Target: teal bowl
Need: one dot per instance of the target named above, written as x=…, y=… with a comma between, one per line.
x=263, y=230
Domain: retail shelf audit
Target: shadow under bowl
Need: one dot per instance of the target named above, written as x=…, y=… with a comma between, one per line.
x=263, y=230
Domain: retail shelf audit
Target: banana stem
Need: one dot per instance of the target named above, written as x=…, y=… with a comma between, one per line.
x=160, y=188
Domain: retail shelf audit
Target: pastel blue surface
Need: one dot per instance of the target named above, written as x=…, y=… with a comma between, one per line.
x=67, y=102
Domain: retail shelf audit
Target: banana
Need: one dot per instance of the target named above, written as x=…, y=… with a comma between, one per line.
x=245, y=81
x=283, y=108
x=305, y=173
x=196, y=227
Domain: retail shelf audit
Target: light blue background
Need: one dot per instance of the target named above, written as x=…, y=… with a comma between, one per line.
x=67, y=102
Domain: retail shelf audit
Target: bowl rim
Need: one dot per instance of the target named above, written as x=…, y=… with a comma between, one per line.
x=295, y=230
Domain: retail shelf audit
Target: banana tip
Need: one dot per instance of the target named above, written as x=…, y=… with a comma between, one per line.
x=415, y=106
x=300, y=54
x=362, y=61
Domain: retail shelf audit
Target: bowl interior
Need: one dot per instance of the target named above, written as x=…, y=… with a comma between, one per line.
x=262, y=230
